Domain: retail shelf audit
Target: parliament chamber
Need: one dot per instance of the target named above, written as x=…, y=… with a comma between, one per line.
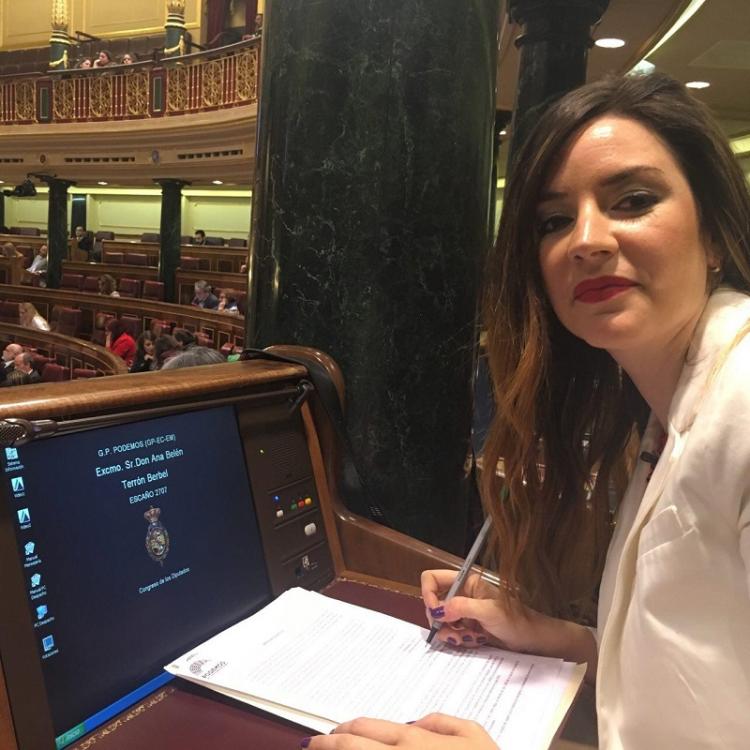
x=345, y=167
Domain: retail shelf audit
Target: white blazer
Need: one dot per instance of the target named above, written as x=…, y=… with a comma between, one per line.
x=674, y=607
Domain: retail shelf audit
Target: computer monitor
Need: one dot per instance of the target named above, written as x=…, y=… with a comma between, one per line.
x=133, y=543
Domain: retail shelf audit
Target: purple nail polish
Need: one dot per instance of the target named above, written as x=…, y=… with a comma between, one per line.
x=438, y=612
x=452, y=640
x=467, y=639
x=305, y=742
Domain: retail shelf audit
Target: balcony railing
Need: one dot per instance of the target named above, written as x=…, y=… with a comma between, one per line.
x=217, y=79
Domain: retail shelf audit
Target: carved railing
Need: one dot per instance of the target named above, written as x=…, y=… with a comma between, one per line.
x=217, y=79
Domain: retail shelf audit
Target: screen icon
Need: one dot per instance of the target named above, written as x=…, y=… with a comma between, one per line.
x=11, y=454
x=24, y=516
x=17, y=484
x=29, y=548
x=36, y=580
x=48, y=643
x=41, y=611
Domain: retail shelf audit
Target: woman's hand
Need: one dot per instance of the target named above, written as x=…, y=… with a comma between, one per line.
x=478, y=616
x=433, y=732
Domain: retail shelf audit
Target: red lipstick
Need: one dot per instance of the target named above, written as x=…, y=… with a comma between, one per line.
x=601, y=288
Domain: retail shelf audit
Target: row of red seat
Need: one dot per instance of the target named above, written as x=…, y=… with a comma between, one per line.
x=151, y=290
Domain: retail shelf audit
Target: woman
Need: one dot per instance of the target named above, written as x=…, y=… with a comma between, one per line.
x=617, y=310
x=119, y=341
x=129, y=58
x=29, y=317
x=103, y=59
x=165, y=347
x=144, y=353
x=227, y=303
x=108, y=286
x=85, y=63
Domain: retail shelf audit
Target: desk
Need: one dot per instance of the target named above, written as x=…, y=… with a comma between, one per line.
x=187, y=717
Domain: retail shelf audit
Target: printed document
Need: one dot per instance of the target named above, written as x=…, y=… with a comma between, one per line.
x=318, y=662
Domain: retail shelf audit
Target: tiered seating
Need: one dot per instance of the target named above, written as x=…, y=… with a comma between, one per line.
x=91, y=285
x=66, y=320
x=52, y=373
x=135, y=259
x=130, y=288
x=153, y=290
x=9, y=312
x=72, y=281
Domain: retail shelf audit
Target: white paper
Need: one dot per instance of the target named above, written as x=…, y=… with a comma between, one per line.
x=329, y=661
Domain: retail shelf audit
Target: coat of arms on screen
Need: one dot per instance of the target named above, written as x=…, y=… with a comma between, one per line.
x=157, y=538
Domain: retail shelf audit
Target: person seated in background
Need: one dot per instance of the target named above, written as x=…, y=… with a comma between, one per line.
x=85, y=63
x=227, y=304
x=119, y=341
x=144, y=353
x=204, y=297
x=8, y=360
x=24, y=363
x=199, y=238
x=103, y=59
x=9, y=251
x=85, y=242
x=29, y=317
x=108, y=286
x=128, y=58
x=38, y=267
x=16, y=377
x=165, y=347
x=184, y=338
x=193, y=357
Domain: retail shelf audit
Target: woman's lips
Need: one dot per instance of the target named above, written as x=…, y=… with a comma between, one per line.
x=600, y=289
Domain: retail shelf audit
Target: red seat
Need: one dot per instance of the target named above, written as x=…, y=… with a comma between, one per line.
x=114, y=256
x=189, y=264
x=133, y=325
x=136, y=259
x=9, y=312
x=214, y=240
x=130, y=288
x=104, y=235
x=224, y=265
x=72, y=281
x=237, y=242
x=68, y=320
x=91, y=284
x=28, y=253
x=150, y=237
x=83, y=372
x=158, y=327
x=38, y=361
x=53, y=372
x=153, y=290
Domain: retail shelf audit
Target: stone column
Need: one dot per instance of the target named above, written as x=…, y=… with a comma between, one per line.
x=174, y=29
x=60, y=43
x=371, y=208
x=57, y=227
x=554, y=50
x=170, y=229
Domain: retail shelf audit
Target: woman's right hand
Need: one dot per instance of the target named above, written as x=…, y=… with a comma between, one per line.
x=478, y=616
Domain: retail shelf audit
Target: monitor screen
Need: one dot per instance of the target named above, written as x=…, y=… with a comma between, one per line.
x=137, y=542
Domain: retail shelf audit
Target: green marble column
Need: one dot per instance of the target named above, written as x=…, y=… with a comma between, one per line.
x=371, y=208
x=170, y=231
x=554, y=51
x=175, y=43
x=57, y=227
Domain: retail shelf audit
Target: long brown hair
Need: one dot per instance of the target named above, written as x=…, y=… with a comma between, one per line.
x=559, y=401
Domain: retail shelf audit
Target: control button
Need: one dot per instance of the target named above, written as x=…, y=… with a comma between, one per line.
x=311, y=529
x=308, y=501
x=294, y=506
x=279, y=513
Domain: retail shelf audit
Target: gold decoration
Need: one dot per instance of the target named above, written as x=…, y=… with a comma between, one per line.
x=63, y=96
x=177, y=89
x=176, y=6
x=213, y=83
x=136, y=93
x=25, y=100
x=100, y=96
x=60, y=61
x=60, y=15
x=247, y=75
x=179, y=47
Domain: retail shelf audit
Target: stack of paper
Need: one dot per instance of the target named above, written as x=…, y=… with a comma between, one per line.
x=317, y=661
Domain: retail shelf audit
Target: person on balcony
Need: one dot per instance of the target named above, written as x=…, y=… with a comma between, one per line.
x=129, y=58
x=85, y=63
x=103, y=59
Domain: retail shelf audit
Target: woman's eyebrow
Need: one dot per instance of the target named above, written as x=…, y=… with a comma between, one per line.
x=616, y=178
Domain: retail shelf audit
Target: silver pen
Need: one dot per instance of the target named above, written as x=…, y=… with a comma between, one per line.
x=464, y=571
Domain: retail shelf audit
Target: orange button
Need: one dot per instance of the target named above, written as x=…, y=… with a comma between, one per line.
x=308, y=501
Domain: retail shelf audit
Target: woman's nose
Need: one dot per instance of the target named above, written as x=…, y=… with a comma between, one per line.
x=592, y=236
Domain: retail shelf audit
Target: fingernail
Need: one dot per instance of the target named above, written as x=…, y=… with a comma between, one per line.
x=481, y=639
x=452, y=640
x=467, y=638
x=305, y=742
x=438, y=612
x=411, y=722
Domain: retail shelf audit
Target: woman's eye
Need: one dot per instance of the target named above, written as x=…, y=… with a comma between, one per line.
x=552, y=224
x=640, y=201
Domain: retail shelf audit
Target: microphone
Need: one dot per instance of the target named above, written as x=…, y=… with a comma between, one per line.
x=20, y=431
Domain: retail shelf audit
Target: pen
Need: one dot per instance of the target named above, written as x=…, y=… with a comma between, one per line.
x=464, y=571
